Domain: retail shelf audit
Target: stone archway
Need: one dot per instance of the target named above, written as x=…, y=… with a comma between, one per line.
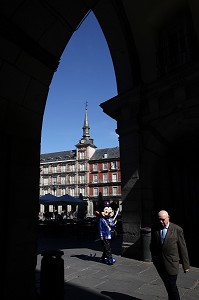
x=33, y=38
x=34, y=35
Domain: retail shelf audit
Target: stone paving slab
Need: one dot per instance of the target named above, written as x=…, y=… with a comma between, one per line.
x=86, y=278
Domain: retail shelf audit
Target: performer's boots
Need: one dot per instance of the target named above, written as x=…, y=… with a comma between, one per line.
x=104, y=260
x=109, y=262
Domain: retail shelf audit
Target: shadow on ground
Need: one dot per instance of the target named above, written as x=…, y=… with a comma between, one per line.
x=50, y=238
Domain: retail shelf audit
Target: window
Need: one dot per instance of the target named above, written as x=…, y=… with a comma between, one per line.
x=81, y=179
x=82, y=191
x=54, y=180
x=105, y=155
x=95, y=178
x=95, y=192
x=105, y=166
x=81, y=155
x=82, y=167
x=72, y=167
x=114, y=191
x=63, y=180
x=45, y=170
x=45, y=181
x=54, y=169
x=95, y=167
x=114, y=177
x=72, y=179
x=63, y=168
x=105, y=178
x=113, y=165
x=72, y=192
x=63, y=192
x=105, y=191
x=54, y=191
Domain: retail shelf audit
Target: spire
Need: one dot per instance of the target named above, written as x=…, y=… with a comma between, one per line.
x=86, y=128
x=86, y=140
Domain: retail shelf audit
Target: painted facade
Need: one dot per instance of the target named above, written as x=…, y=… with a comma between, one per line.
x=85, y=171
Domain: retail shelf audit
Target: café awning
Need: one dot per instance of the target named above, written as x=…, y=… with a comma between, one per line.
x=50, y=199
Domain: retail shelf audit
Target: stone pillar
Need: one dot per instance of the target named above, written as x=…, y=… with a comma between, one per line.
x=19, y=217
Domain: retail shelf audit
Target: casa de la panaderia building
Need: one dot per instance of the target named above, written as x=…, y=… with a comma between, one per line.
x=85, y=171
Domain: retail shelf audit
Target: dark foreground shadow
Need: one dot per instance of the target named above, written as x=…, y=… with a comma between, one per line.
x=90, y=257
x=118, y=296
x=72, y=291
x=58, y=238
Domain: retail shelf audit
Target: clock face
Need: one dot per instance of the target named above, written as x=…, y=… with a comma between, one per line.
x=82, y=141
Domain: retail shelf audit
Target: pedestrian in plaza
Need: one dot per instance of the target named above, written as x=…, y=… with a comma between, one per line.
x=107, y=223
x=168, y=249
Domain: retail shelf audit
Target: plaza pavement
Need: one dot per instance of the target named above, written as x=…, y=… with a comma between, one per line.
x=85, y=278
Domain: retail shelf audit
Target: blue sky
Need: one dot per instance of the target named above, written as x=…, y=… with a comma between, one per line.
x=85, y=74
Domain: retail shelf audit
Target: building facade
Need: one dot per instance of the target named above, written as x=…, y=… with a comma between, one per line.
x=85, y=171
x=105, y=176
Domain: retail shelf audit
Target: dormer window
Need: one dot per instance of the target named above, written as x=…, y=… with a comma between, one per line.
x=105, y=155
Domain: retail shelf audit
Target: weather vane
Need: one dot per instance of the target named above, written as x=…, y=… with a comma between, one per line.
x=86, y=104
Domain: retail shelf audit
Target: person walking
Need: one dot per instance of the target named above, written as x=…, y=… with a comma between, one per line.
x=168, y=249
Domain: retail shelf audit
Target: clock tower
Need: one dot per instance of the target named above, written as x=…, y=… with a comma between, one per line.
x=86, y=142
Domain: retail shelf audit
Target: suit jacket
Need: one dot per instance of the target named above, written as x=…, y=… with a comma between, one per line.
x=172, y=251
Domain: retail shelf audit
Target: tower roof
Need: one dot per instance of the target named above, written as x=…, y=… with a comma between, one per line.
x=86, y=140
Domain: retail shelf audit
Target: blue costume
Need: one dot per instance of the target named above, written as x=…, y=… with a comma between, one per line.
x=106, y=225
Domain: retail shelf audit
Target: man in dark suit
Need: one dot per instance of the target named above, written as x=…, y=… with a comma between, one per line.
x=168, y=249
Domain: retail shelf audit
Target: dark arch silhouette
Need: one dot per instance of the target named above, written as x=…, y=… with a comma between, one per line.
x=156, y=106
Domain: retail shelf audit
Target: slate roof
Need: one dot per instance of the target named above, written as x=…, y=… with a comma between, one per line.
x=111, y=153
x=57, y=156
x=71, y=154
